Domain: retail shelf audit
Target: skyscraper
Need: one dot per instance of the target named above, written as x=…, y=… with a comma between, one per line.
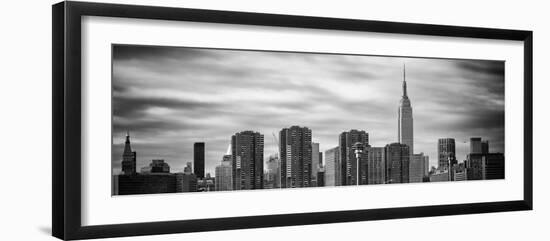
x=198, y=159
x=224, y=180
x=376, y=167
x=405, y=119
x=333, y=168
x=417, y=168
x=247, y=153
x=475, y=145
x=296, y=156
x=397, y=163
x=314, y=163
x=445, y=152
x=348, y=158
x=128, y=158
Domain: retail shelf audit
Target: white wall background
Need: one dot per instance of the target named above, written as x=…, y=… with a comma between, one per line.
x=25, y=125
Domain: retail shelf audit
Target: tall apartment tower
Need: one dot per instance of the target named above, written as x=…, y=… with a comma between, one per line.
x=405, y=119
x=348, y=157
x=397, y=163
x=128, y=158
x=296, y=157
x=198, y=159
x=247, y=154
x=445, y=153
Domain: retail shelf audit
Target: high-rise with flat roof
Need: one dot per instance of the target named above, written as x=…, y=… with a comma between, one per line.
x=475, y=145
x=417, y=168
x=348, y=158
x=314, y=163
x=362, y=162
x=198, y=159
x=333, y=168
x=223, y=175
x=247, y=153
x=376, y=167
x=296, y=157
x=397, y=163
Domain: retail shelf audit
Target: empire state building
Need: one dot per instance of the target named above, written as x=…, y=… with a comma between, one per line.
x=405, y=119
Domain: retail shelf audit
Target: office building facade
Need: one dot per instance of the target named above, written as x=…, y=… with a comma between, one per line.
x=376, y=167
x=315, y=162
x=333, y=168
x=224, y=180
x=198, y=159
x=397, y=163
x=417, y=168
x=349, y=162
x=446, y=153
x=475, y=145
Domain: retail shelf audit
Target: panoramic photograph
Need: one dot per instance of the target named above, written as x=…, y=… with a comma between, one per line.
x=187, y=119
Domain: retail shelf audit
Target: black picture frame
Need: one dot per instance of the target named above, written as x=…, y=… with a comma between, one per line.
x=66, y=127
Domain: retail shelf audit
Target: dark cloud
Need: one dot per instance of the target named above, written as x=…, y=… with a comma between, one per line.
x=495, y=68
x=154, y=53
x=134, y=105
x=170, y=98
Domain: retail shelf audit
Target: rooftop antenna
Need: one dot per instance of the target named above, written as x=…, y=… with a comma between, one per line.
x=404, y=81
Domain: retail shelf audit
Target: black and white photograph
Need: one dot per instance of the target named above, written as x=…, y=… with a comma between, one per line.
x=187, y=119
x=275, y=120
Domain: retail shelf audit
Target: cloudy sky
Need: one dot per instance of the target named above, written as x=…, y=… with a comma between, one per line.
x=169, y=98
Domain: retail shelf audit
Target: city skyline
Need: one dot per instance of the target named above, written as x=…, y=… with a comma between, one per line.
x=165, y=98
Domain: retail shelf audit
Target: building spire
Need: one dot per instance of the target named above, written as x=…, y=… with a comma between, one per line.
x=127, y=136
x=404, y=83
